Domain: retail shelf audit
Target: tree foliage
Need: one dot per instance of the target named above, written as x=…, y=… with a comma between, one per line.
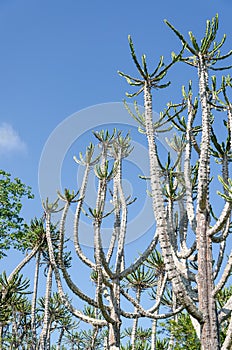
x=12, y=193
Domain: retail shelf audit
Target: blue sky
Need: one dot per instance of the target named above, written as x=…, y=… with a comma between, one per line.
x=58, y=57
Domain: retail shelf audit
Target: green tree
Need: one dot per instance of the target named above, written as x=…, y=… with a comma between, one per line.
x=184, y=334
x=12, y=193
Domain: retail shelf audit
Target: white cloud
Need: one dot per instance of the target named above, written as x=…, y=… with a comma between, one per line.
x=10, y=141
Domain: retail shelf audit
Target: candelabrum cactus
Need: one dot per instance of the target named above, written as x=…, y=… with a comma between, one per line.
x=195, y=291
x=108, y=266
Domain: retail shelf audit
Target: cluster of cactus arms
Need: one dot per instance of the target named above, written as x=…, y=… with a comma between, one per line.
x=186, y=267
x=112, y=277
x=195, y=290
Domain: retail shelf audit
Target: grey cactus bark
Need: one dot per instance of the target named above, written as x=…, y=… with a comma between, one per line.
x=34, y=300
x=44, y=340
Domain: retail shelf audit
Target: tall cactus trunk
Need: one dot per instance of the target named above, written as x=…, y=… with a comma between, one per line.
x=160, y=213
x=34, y=300
x=207, y=305
x=135, y=323
x=44, y=340
x=114, y=328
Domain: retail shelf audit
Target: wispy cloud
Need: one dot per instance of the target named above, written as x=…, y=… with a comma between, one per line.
x=10, y=141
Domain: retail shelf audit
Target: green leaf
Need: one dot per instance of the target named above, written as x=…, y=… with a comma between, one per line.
x=181, y=37
x=133, y=55
x=194, y=42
